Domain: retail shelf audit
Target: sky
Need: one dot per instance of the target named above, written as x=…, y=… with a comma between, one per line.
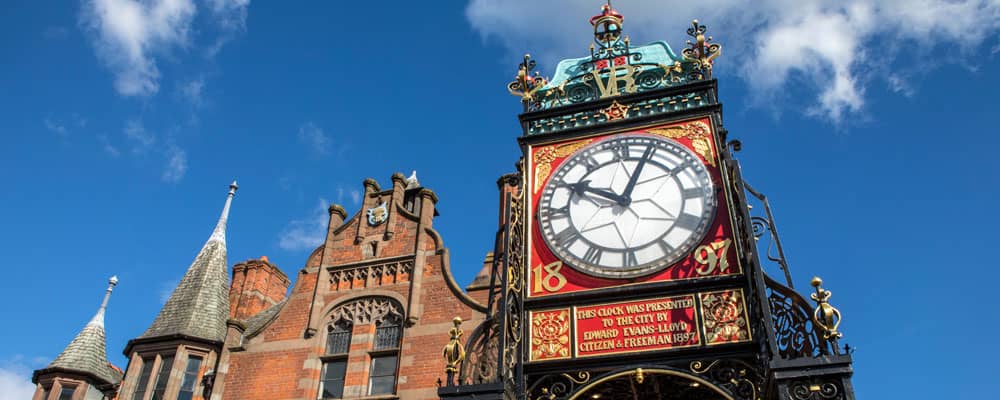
x=868, y=125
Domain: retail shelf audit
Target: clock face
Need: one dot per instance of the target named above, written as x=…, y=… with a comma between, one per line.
x=627, y=206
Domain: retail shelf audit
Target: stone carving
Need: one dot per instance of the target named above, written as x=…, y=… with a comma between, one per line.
x=370, y=275
x=368, y=310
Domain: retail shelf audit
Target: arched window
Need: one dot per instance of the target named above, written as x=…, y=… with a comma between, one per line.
x=338, y=344
x=385, y=315
x=385, y=354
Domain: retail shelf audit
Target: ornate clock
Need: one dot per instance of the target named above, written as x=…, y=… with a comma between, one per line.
x=627, y=206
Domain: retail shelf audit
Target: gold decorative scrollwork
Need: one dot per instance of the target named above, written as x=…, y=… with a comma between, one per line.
x=697, y=131
x=544, y=156
x=581, y=377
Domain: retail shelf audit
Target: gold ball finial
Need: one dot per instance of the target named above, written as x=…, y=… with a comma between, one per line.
x=457, y=321
x=815, y=282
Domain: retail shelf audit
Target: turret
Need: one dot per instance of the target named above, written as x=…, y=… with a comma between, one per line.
x=82, y=370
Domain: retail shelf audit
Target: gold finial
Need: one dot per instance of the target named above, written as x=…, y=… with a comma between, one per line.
x=702, y=52
x=454, y=353
x=826, y=317
x=639, y=377
x=525, y=83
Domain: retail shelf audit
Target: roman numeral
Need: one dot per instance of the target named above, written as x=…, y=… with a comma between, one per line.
x=692, y=193
x=561, y=212
x=666, y=247
x=593, y=255
x=688, y=221
x=629, y=259
x=620, y=151
x=590, y=163
x=567, y=237
x=676, y=170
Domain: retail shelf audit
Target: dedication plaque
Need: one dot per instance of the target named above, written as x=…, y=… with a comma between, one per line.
x=626, y=327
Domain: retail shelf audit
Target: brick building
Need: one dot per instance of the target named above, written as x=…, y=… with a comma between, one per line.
x=367, y=316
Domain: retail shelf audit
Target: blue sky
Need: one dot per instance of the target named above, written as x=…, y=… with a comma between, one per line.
x=869, y=125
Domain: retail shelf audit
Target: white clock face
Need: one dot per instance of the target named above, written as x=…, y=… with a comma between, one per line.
x=627, y=206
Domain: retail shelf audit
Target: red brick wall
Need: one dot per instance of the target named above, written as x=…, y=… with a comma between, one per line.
x=257, y=284
x=282, y=361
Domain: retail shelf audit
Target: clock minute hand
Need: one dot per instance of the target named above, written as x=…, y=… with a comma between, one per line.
x=627, y=193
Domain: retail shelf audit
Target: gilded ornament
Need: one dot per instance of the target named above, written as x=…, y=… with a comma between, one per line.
x=725, y=317
x=615, y=111
x=697, y=132
x=544, y=156
x=454, y=352
x=550, y=334
x=825, y=316
x=525, y=84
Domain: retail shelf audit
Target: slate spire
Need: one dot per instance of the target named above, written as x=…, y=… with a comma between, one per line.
x=199, y=306
x=87, y=352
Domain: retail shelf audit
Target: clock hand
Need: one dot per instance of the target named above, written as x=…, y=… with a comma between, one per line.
x=584, y=186
x=627, y=193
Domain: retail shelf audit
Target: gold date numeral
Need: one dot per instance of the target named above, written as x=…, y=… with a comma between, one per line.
x=712, y=256
x=548, y=278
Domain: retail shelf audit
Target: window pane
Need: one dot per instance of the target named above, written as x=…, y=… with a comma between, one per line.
x=384, y=365
x=332, y=386
x=382, y=385
x=140, y=388
x=387, y=337
x=190, y=378
x=67, y=393
x=335, y=370
x=338, y=339
x=382, y=375
x=162, y=378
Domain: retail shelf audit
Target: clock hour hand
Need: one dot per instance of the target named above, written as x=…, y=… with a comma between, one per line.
x=627, y=193
x=584, y=186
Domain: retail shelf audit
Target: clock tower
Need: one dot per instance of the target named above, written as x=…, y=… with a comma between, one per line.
x=631, y=262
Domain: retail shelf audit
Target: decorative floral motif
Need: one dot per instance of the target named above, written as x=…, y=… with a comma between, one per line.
x=697, y=131
x=724, y=314
x=549, y=334
x=545, y=155
x=615, y=111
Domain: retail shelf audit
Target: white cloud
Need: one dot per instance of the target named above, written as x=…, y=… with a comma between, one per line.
x=142, y=140
x=176, y=164
x=230, y=14
x=356, y=196
x=15, y=377
x=314, y=138
x=108, y=147
x=55, y=127
x=832, y=48
x=193, y=91
x=306, y=233
x=129, y=34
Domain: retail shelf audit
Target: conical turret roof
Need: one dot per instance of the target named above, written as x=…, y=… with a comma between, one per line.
x=87, y=353
x=199, y=306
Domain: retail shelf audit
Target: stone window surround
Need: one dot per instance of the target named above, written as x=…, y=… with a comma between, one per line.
x=364, y=317
x=180, y=356
x=54, y=387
